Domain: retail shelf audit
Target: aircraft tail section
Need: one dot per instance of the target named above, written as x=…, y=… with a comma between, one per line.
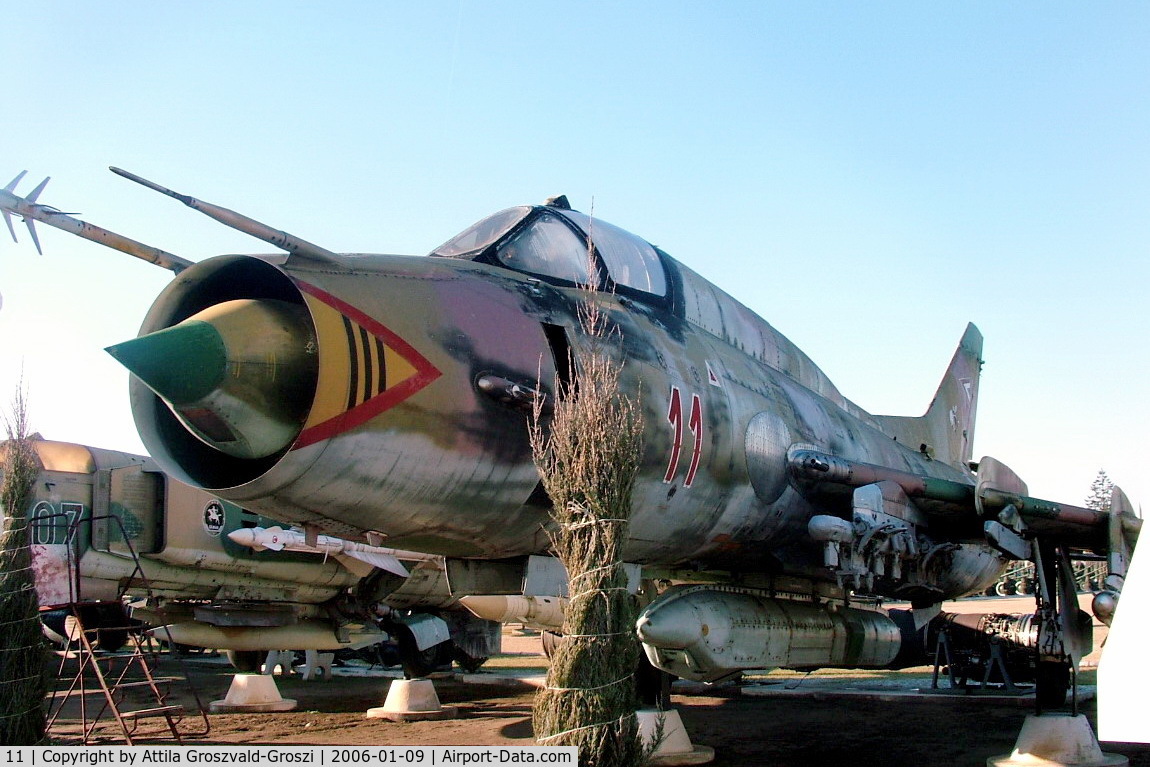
x=946, y=431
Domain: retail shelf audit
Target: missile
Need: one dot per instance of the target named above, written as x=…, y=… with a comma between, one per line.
x=29, y=210
x=534, y=611
x=837, y=474
x=278, y=539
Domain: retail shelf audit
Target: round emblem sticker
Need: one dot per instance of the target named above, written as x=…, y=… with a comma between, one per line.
x=214, y=518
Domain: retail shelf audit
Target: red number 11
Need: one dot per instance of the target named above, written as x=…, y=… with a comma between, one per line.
x=695, y=424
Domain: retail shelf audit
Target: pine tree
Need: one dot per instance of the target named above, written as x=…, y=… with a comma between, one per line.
x=1100, y=490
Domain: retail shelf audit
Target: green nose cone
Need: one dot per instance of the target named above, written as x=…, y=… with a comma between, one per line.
x=182, y=364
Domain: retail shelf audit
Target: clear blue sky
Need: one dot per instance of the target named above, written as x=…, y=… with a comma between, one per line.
x=866, y=176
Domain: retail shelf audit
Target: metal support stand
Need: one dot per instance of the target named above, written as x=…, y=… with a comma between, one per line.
x=129, y=688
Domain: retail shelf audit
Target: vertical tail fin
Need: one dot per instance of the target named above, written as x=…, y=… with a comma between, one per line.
x=946, y=430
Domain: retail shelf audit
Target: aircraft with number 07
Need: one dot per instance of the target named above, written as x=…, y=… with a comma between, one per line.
x=388, y=398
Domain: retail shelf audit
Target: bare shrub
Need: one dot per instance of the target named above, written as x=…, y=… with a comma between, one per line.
x=588, y=454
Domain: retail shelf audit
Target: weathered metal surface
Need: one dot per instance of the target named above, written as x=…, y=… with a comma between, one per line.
x=417, y=375
x=445, y=467
x=708, y=633
x=182, y=555
x=313, y=635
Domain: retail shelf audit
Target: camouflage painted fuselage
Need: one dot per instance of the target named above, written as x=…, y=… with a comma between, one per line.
x=418, y=375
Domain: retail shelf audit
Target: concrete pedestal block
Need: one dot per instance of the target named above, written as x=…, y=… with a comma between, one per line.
x=252, y=693
x=676, y=747
x=411, y=700
x=1054, y=740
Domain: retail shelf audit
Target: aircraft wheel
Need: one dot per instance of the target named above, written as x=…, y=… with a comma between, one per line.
x=384, y=654
x=1051, y=683
x=1005, y=588
x=466, y=662
x=246, y=661
x=420, y=663
x=55, y=626
x=551, y=640
x=1025, y=586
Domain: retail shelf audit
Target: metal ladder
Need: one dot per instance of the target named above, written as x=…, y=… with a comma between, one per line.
x=130, y=690
x=127, y=684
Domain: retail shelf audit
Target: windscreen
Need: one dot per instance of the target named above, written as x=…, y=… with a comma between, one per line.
x=550, y=248
x=478, y=236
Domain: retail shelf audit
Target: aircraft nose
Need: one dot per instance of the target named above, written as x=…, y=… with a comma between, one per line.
x=240, y=375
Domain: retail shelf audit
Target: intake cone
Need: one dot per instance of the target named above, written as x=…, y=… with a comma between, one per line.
x=181, y=364
x=240, y=375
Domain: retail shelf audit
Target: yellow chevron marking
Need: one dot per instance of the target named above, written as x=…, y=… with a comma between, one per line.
x=334, y=363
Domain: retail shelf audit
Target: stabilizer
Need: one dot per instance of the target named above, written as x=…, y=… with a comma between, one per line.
x=30, y=200
x=946, y=430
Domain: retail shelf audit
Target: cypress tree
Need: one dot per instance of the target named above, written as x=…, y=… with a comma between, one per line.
x=21, y=644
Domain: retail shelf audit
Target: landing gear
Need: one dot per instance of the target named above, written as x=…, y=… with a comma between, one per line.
x=653, y=685
x=106, y=624
x=468, y=663
x=420, y=663
x=1051, y=684
x=1064, y=633
x=111, y=639
x=550, y=640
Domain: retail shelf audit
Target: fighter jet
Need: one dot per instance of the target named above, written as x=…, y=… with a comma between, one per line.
x=388, y=398
x=120, y=545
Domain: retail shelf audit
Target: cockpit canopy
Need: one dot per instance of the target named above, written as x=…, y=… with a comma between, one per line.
x=552, y=243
